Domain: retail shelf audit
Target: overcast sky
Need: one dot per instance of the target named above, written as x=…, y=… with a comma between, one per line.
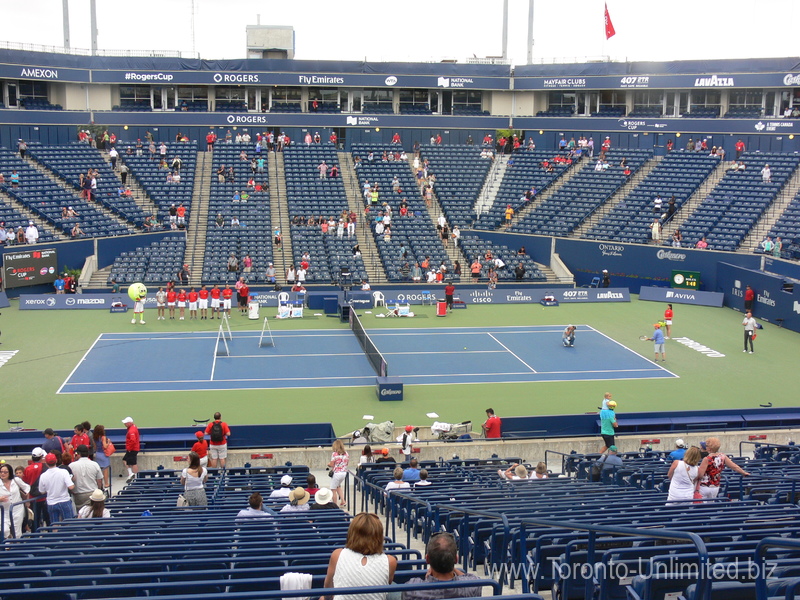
x=425, y=31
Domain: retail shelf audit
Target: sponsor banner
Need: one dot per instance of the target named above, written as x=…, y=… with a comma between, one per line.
x=678, y=296
x=74, y=301
x=510, y=295
x=710, y=80
x=270, y=78
x=43, y=73
x=389, y=389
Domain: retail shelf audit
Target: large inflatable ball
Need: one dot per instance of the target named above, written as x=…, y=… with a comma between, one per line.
x=137, y=291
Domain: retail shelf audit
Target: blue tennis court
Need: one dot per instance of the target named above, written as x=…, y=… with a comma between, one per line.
x=158, y=362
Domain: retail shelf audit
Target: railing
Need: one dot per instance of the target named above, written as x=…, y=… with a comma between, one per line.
x=88, y=52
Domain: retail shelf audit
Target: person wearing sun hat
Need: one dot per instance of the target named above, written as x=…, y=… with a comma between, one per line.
x=323, y=500
x=96, y=509
x=56, y=484
x=298, y=501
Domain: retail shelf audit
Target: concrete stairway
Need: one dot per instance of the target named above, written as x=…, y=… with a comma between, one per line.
x=279, y=215
x=772, y=214
x=369, y=251
x=603, y=211
x=492, y=184
x=198, y=218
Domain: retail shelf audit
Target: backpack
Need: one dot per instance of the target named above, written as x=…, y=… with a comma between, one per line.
x=597, y=468
x=217, y=433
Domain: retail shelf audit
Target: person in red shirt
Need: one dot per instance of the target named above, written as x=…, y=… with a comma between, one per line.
x=80, y=437
x=449, y=291
x=215, y=294
x=202, y=302
x=172, y=297
x=244, y=297
x=749, y=297
x=181, y=303
x=396, y=138
x=201, y=448
x=192, y=296
x=606, y=143
x=668, y=320
x=227, y=294
x=132, y=445
x=739, y=149
x=491, y=428
x=210, y=139
x=219, y=433
x=333, y=138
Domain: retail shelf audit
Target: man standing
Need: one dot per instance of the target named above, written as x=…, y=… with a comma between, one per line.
x=749, y=297
x=449, y=292
x=219, y=432
x=56, y=484
x=492, y=426
x=749, y=324
x=658, y=342
x=608, y=423
x=59, y=284
x=606, y=279
x=87, y=476
x=739, y=149
x=31, y=233
x=441, y=554
x=52, y=443
x=132, y=445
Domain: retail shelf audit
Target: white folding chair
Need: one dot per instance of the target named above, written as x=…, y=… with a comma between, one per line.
x=378, y=299
x=283, y=298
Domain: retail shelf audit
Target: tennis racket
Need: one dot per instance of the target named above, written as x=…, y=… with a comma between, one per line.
x=643, y=338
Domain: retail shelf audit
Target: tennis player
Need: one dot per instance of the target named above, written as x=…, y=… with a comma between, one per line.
x=658, y=342
x=568, y=337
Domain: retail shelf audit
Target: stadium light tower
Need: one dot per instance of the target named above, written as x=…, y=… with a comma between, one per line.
x=65, y=8
x=505, y=29
x=93, y=21
x=530, y=31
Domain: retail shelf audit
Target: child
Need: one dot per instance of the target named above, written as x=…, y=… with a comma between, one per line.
x=182, y=303
x=161, y=301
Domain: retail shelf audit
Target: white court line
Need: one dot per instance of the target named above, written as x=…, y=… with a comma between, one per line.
x=295, y=355
x=511, y=353
x=85, y=354
x=631, y=351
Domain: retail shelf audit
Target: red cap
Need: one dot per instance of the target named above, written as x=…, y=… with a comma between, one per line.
x=50, y=459
x=199, y=434
x=409, y=428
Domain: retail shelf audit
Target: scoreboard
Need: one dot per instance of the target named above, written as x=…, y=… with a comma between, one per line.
x=688, y=280
x=31, y=267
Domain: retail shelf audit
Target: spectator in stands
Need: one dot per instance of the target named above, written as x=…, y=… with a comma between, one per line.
x=285, y=489
x=31, y=233
x=366, y=456
x=702, y=244
x=56, y=484
x=298, y=501
x=132, y=446
x=710, y=469
x=96, y=507
x=777, y=246
x=655, y=231
x=397, y=483
x=412, y=472
x=338, y=465
x=540, y=472
x=194, y=478
x=766, y=174
x=218, y=432
x=767, y=245
x=441, y=554
x=200, y=447
x=87, y=476
x=492, y=278
x=519, y=272
x=384, y=457
x=311, y=484
x=12, y=489
x=256, y=509
x=77, y=231
x=362, y=561
x=677, y=237
x=608, y=423
x=680, y=450
x=323, y=500
x=492, y=426
x=515, y=472
x=610, y=459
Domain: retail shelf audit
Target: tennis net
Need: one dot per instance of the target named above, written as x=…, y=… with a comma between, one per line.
x=374, y=355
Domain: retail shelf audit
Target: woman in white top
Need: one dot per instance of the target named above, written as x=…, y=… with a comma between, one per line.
x=540, y=472
x=366, y=456
x=193, y=479
x=339, y=462
x=398, y=483
x=683, y=476
x=362, y=561
x=96, y=509
x=11, y=490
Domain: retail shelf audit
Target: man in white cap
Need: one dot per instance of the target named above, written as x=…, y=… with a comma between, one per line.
x=132, y=446
x=680, y=450
x=606, y=279
x=285, y=489
x=270, y=273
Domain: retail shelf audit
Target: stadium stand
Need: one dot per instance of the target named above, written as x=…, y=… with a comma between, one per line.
x=788, y=228
x=525, y=174
x=329, y=254
x=47, y=199
x=69, y=162
x=157, y=263
x=286, y=107
x=679, y=174
x=582, y=195
x=737, y=202
x=253, y=234
x=476, y=248
x=153, y=179
x=414, y=236
x=460, y=174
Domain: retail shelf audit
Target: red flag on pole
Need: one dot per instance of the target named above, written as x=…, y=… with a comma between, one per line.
x=609, y=25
